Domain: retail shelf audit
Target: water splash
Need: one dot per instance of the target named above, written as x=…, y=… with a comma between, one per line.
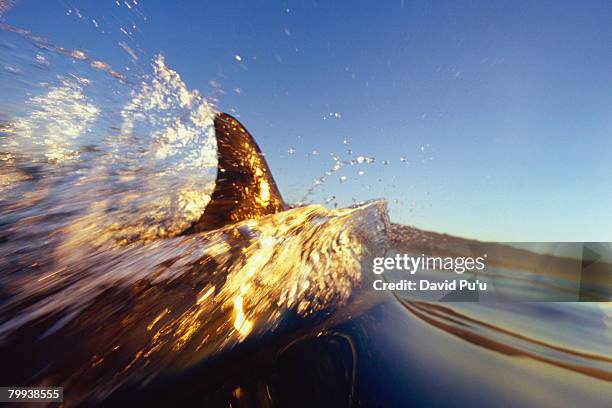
x=56, y=121
x=99, y=175
x=149, y=178
x=218, y=289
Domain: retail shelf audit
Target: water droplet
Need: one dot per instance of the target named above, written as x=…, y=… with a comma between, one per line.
x=315, y=152
x=403, y=159
x=291, y=150
x=361, y=172
x=360, y=159
x=237, y=57
x=343, y=179
x=11, y=69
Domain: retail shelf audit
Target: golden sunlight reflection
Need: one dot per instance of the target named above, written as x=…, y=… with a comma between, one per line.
x=179, y=300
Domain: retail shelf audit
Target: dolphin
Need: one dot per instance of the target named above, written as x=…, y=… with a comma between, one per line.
x=98, y=318
x=244, y=187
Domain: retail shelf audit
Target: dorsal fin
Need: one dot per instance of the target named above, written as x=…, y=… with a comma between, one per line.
x=244, y=187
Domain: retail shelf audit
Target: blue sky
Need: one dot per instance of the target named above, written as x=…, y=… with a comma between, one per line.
x=503, y=110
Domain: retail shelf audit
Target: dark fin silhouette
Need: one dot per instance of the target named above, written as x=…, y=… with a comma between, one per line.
x=244, y=187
